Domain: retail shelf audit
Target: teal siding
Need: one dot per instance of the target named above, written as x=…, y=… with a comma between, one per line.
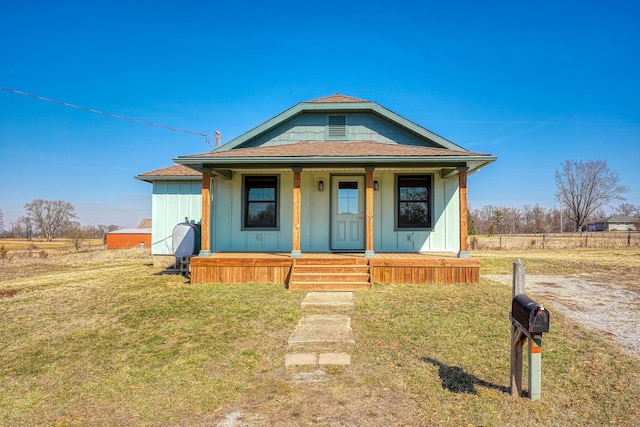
x=315, y=219
x=443, y=236
x=226, y=226
x=359, y=127
x=171, y=203
x=314, y=212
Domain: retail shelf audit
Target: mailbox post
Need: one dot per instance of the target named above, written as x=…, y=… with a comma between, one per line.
x=529, y=321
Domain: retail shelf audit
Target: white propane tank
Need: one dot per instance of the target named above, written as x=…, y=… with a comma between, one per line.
x=185, y=240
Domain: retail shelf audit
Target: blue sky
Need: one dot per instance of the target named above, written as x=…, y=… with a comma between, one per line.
x=534, y=84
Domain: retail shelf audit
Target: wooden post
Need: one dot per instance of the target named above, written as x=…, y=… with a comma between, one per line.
x=464, y=220
x=517, y=337
x=369, y=253
x=519, y=270
x=205, y=227
x=295, y=241
x=517, y=341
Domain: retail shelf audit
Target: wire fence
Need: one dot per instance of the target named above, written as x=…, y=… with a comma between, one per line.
x=555, y=241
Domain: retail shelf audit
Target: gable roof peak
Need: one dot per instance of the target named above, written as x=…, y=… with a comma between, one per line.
x=338, y=97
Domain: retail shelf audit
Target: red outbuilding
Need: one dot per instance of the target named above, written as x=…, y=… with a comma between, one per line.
x=129, y=238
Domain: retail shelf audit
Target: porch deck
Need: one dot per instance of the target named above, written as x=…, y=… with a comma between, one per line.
x=391, y=268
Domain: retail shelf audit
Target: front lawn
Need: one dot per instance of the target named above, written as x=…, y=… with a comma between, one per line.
x=111, y=340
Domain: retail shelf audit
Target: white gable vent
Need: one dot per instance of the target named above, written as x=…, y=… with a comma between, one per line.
x=337, y=127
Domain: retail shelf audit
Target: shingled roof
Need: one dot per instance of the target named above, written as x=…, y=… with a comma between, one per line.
x=170, y=172
x=335, y=149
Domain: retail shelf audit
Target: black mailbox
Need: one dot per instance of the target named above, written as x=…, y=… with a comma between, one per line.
x=531, y=315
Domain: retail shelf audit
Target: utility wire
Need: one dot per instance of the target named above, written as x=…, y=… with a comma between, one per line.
x=115, y=116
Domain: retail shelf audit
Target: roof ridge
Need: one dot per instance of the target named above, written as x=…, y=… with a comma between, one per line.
x=338, y=97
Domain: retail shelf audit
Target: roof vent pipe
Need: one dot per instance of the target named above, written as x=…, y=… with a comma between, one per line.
x=217, y=137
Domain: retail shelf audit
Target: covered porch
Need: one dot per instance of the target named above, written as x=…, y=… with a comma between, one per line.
x=334, y=271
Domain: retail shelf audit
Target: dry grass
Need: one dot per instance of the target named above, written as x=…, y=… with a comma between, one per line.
x=111, y=340
x=54, y=246
x=555, y=241
x=612, y=265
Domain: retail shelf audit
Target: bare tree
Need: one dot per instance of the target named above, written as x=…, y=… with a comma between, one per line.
x=586, y=186
x=1, y=222
x=77, y=233
x=51, y=217
x=22, y=228
x=628, y=209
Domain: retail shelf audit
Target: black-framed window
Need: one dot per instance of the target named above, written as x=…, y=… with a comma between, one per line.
x=260, y=198
x=414, y=201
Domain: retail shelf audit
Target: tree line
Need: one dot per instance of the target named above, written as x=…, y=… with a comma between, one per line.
x=49, y=219
x=534, y=219
x=584, y=189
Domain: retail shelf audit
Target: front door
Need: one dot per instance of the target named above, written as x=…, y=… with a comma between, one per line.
x=347, y=213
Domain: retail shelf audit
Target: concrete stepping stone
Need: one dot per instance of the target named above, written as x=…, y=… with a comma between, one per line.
x=323, y=336
x=308, y=359
x=328, y=301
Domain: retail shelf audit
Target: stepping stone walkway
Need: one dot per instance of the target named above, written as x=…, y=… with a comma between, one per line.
x=323, y=335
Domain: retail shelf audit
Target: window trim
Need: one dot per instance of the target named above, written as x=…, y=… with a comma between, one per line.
x=397, y=225
x=246, y=203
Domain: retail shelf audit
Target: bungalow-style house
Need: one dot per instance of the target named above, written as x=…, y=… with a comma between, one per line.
x=614, y=223
x=333, y=193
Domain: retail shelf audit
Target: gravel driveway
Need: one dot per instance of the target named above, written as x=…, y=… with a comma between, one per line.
x=604, y=307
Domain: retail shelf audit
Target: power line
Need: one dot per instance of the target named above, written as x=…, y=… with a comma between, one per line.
x=115, y=116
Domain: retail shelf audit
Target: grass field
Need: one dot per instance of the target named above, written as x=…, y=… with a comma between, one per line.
x=104, y=338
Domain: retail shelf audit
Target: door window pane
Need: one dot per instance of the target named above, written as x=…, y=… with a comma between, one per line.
x=347, y=198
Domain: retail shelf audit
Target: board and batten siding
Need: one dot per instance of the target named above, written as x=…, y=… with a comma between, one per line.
x=171, y=203
x=444, y=234
x=226, y=217
x=315, y=222
x=359, y=127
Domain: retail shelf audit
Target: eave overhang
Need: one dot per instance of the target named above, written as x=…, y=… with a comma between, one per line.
x=154, y=178
x=473, y=163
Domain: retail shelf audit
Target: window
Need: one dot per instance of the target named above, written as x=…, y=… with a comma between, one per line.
x=414, y=201
x=260, y=201
x=348, y=198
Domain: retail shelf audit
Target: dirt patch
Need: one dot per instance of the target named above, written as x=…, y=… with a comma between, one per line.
x=605, y=307
x=332, y=401
x=8, y=293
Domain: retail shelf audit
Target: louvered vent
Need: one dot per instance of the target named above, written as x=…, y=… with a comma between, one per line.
x=337, y=127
